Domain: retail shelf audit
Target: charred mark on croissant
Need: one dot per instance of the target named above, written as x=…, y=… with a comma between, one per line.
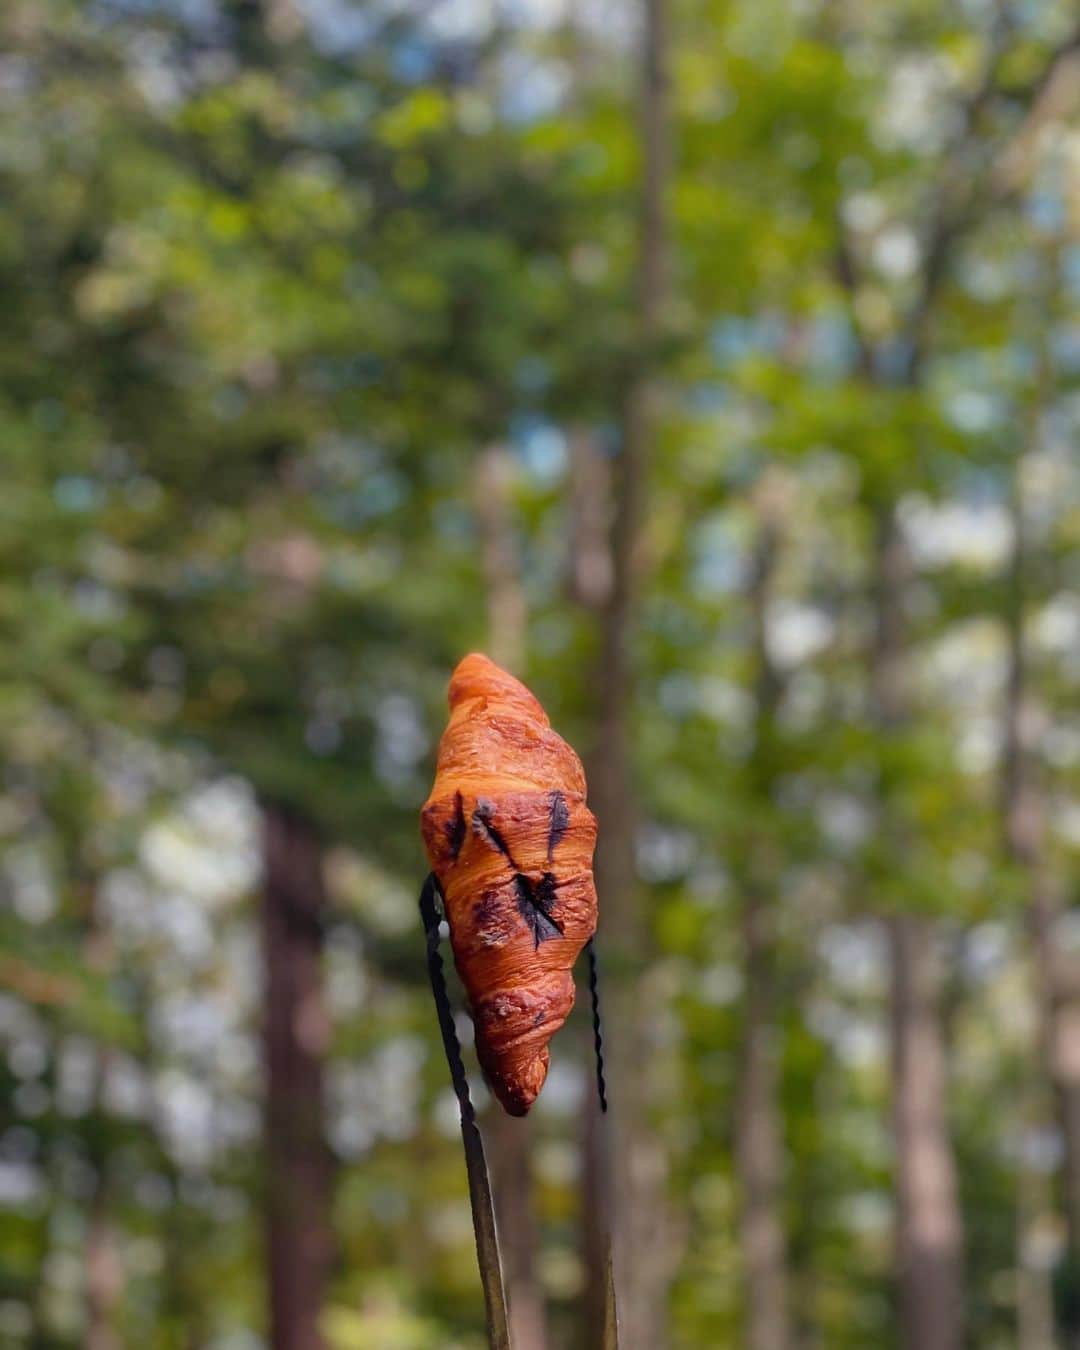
x=455, y=828
x=485, y=828
x=493, y=919
x=560, y=821
x=486, y=909
x=535, y=905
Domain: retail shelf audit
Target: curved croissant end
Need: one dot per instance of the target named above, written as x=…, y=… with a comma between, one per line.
x=510, y=841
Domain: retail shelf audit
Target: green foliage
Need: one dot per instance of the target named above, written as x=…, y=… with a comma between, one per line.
x=266, y=301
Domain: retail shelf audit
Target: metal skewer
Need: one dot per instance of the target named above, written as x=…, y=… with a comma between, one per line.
x=610, y=1330
x=483, y=1211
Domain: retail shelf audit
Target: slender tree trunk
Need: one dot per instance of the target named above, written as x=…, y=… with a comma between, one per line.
x=102, y=1261
x=929, y=1231
x=104, y=1274
x=642, y=1252
x=295, y=1038
x=502, y=563
x=758, y=1126
x=101, y=1250
x=512, y=1181
x=590, y=583
x=929, y=1236
x=509, y=1138
x=591, y=509
x=1060, y=1016
x=590, y=578
x=1024, y=830
x=758, y=1140
x=1034, y=1294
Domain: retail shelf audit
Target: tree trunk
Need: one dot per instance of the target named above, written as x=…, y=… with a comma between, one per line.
x=101, y=1250
x=502, y=564
x=759, y=1143
x=102, y=1256
x=1060, y=1017
x=929, y=1231
x=1024, y=831
x=642, y=1252
x=512, y=1182
x=1034, y=1293
x=104, y=1273
x=509, y=1138
x=759, y=1156
x=295, y=1038
x=591, y=509
x=590, y=584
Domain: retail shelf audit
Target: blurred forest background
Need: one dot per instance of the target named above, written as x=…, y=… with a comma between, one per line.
x=713, y=364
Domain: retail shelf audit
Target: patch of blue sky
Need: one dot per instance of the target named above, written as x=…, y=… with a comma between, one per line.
x=1065, y=344
x=379, y=494
x=1048, y=212
x=453, y=521
x=891, y=359
x=1070, y=269
x=718, y=559
x=540, y=446
x=733, y=337
x=413, y=59
x=976, y=411
x=533, y=375
x=338, y=26
x=192, y=13
x=531, y=87
x=708, y=396
x=77, y=494
x=833, y=348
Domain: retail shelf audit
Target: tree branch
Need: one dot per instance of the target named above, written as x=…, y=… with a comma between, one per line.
x=950, y=218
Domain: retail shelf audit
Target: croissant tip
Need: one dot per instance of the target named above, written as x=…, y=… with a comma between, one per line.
x=478, y=676
x=478, y=665
x=517, y=1093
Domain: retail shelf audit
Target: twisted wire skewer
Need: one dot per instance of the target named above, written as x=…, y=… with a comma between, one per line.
x=598, y=1035
x=483, y=1211
x=610, y=1328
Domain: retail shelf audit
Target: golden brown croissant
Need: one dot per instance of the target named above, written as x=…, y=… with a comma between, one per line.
x=511, y=841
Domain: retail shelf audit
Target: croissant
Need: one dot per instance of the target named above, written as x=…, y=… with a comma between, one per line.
x=511, y=841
